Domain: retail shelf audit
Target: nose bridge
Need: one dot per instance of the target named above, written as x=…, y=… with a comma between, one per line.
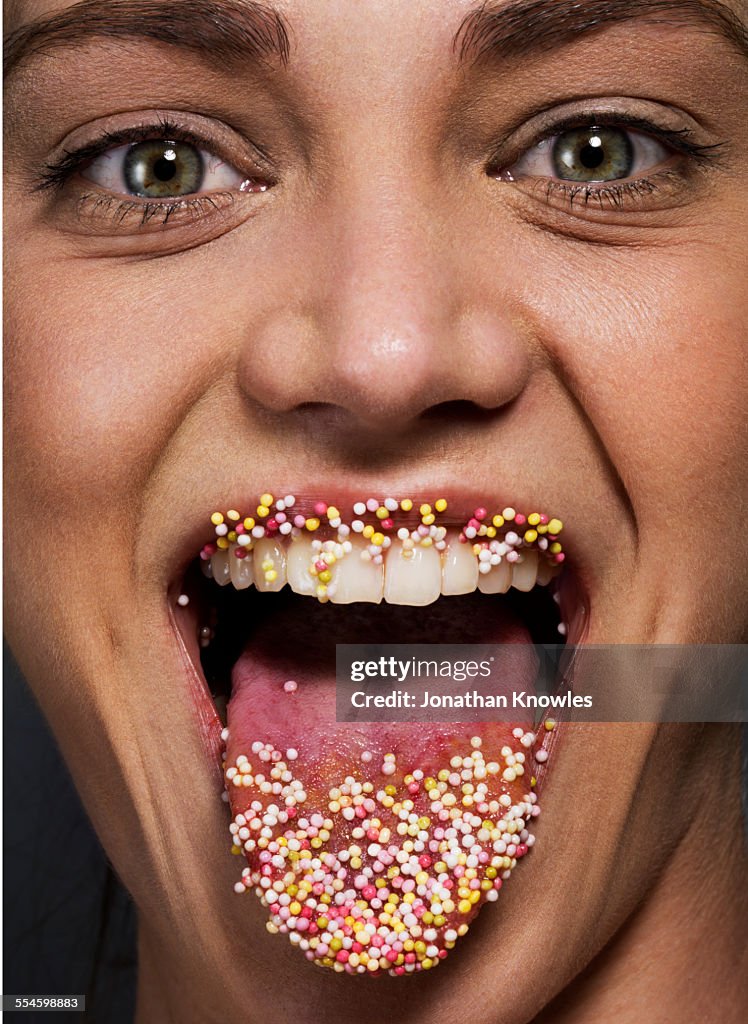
x=388, y=300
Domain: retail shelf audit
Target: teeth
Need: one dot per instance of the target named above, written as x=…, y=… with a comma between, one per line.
x=300, y=558
x=221, y=568
x=525, y=572
x=459, y=569
x=416, y=578
x=498, y=580
x=356, y=579
x=242, y=575
x=412, y=581
x=269, y=565
x=546, y=572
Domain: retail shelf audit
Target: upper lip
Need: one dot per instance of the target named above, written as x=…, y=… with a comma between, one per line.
x=198, y=529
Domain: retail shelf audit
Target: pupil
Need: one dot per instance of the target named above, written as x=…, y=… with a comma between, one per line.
x=164, y=169
x=592, y=154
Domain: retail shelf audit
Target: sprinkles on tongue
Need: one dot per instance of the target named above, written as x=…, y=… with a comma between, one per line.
x=382, y=899
x=494, y=538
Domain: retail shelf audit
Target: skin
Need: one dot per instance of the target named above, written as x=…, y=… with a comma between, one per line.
x=154, y=374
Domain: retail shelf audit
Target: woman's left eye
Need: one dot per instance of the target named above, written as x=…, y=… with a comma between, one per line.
x=590, y=155
x=161, y=169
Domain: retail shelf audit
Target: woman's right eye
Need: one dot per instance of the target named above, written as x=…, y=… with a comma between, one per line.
x=161, y=169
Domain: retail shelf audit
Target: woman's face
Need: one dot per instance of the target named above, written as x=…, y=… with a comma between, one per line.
x=390, y=281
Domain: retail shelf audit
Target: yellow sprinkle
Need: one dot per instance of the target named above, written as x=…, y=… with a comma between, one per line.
x=332, y=512
x=531, y=536
x=425, y=510
x=249, y=523
x=440, y=505
x=312, y=524
x=464, y=906
x=271, y=575
x=266, y=500
x=428, y=519
x=555, y=547
x=325, y=576
x=368, y=531
x=498, y=521
x=231, y=536
x=378, y=539
x=406, y=505
x=382, y=512
x=426, y=542
x=490, y=531
x=390, y=790
x=222, y=543
x=555, y=526
x=268, y=564
x=550, y=724
x=216, y=519
x=263, y=511
x=236, y=849
x=533, y=519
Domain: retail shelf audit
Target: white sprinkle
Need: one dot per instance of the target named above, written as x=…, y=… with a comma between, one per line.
x=224, y=734
x=289, y=500
x=541, y=756
x=240, y=887
x=292, y=754
x=390, y=504
x=290, y=686
x=366, y=756
x=372, y=504
x=183, y=600
x=562, y=628
x=359, y=508
x=280, y=505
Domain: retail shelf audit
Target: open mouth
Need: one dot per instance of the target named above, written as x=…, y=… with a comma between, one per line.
x=372, y=845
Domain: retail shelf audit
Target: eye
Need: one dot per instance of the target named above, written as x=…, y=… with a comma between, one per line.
x=160, y=169
x=594, y=154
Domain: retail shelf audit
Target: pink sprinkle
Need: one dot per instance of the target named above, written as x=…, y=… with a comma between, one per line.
x=544, y=519
x=240, y=552
x=320, y=508
x=290, y=686
x=560, y=557
x=386, y=524
x=299, y=521
x=369, y=892
x=473, y=524
x=480, y=513
x=520, y=520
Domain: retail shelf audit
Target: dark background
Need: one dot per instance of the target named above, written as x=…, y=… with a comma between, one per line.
x=68, y=925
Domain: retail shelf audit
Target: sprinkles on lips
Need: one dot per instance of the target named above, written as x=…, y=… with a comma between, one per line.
x=359, y=897
x=494, y=537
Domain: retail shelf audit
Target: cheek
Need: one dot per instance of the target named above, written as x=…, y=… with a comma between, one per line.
x=104, y=363
x=658, y=363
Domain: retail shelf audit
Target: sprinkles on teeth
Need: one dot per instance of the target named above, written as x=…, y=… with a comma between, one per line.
x=359, y=897
x=494, y=538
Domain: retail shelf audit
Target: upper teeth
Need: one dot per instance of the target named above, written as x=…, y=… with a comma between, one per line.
x=347, y=572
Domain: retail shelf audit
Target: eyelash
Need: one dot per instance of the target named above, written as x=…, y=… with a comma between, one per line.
x=614, y=195
x=608, y=195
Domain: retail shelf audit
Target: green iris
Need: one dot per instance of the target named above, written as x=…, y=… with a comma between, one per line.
x=158, y=169
x=593, y=154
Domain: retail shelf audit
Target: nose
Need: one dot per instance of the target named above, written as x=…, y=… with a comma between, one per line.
x=388, y=317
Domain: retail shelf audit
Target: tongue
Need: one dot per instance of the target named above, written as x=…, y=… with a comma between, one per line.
x=372, y=845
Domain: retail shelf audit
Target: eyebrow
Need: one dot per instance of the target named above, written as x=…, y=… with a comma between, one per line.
x=522, y=27
x=221, y=30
